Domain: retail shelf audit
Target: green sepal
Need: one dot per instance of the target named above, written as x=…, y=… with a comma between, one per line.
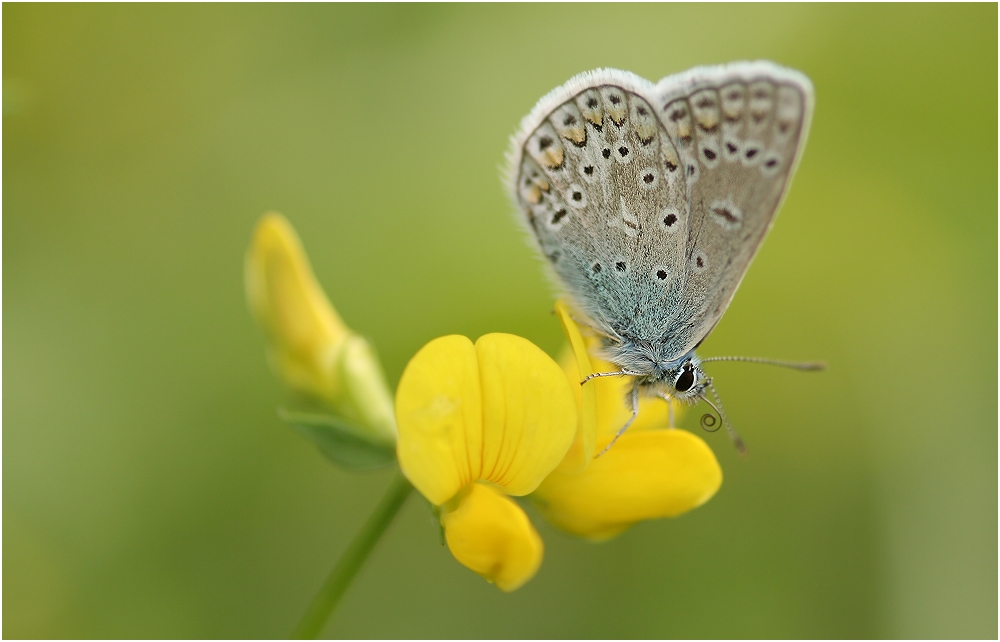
x=340, y=442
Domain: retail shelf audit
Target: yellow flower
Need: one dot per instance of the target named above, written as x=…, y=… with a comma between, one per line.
x=308, y=344
x=652, y=471
x=477, y=423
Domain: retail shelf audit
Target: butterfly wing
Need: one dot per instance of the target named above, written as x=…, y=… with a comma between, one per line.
x=599, y=183
x=739, y=130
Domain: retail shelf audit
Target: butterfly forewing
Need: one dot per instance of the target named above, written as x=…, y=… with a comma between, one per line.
x=739, y=130
x=601, y=186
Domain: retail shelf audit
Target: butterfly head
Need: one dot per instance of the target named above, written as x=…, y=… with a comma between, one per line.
x=680, y=378
x=687, y=382
x=683, y=380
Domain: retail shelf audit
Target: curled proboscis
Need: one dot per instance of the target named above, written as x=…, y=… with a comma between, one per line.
x=709, y=422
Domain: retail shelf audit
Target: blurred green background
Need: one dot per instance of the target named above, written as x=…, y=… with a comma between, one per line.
x=149, y=490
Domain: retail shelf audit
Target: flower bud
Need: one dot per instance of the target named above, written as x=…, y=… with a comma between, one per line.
x=309, y=346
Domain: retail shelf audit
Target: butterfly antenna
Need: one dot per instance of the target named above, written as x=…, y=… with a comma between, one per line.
x=717, y=406
x=795, y=365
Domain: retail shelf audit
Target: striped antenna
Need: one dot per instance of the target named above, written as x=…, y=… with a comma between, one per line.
x=795, y=365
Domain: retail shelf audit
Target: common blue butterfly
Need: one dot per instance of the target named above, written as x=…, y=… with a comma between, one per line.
x=650, y=201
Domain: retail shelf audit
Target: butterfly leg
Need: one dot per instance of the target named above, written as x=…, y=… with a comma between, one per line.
x=618, y=373
x=670, y=407
x=635, y=413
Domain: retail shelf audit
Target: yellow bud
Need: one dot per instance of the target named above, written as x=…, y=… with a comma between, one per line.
x=309, y=346
x=490, y=534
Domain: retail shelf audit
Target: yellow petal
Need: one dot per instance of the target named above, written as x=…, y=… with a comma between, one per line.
x=490, y=534
x=304, y=331
x=646, y=475
x=577, y=365
x=529, y=415
x=499, y=411
x=438, y=410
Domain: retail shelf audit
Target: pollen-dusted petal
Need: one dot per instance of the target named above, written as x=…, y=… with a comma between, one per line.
x=491, y=535
x=529, y=415
x=646, y=475
x=577, y=365
x=439, y=414
x=304, y=331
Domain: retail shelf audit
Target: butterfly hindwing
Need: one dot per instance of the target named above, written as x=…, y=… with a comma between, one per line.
x=739, y=130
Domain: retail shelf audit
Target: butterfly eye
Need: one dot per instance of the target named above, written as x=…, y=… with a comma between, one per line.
x=686, y=380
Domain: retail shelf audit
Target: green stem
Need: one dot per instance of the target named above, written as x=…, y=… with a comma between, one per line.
x=351, y=561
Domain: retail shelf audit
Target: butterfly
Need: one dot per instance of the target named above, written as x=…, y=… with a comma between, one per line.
x=649, y=202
